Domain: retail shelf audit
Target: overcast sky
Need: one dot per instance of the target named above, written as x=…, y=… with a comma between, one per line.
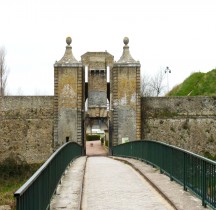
x=180, y=34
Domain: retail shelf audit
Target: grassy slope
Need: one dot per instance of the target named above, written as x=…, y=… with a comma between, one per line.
x=12, y=177
x=7, y=188
x=198, y=84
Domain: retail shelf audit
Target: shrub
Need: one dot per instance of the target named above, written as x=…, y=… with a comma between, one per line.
x=92, y=137
x=209, y=155
x=10, y=168
x=106, y=143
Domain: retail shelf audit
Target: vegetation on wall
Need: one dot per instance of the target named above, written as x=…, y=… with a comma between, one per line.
x=209, y=156
x=197, y=84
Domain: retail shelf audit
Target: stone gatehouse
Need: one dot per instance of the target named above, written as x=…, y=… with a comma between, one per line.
x=110, y=89
x=100, y=91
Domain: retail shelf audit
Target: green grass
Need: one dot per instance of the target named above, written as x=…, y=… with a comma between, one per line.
x=13, y=176
x=197, y=84
x=7, y=188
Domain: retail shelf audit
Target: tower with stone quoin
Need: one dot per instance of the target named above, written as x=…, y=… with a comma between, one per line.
x=96, y=92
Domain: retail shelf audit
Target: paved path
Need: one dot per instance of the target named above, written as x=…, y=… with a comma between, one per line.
x=94, y=148
x=182, y=200
x=111, y=185
x=68, y=194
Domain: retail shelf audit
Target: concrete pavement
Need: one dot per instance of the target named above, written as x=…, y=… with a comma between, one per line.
x=111, y=185
x=69, y=192
x=182, y=200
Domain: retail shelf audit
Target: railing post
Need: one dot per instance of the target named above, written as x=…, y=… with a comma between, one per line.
x=185, y=172
x=204, y=183
x=110, y=139
x=160, y=159
x=17, y=203
x=171, y=164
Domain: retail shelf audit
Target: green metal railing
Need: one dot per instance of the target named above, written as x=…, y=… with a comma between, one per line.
x=37, y=192
x=194, y=172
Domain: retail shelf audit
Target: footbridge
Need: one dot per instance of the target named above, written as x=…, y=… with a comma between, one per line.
x=136, y=175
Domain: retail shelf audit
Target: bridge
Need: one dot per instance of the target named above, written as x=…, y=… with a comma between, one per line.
x=136, y=175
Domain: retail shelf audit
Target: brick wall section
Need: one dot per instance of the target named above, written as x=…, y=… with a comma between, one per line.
x=187, y=122
x=26, y=128
x=114, y=115
x=56, y=111
x=138, y=104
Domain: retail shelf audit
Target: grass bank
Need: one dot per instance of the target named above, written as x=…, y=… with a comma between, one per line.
x=197, y=84
x=12, y=176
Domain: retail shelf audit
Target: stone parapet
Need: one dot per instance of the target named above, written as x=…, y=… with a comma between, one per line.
x=179, y=106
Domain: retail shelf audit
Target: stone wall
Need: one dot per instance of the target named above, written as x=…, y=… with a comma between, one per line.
x=69, y=102
x=26, y=128
x=187, y=122
x=125, y=102
x=26, y=125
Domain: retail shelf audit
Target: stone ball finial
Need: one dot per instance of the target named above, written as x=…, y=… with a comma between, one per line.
x=126, y=40
x=68, y=40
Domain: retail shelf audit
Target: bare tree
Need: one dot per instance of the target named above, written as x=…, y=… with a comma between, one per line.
x=157, y=83
x=146, y=89
x=19, y=92
x=3, y=72
x=153, y=86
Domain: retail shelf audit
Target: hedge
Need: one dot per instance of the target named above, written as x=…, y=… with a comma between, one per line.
x=92, y=137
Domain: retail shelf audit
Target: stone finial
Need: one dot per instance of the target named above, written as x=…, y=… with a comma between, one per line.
x=68, y=57
x=68, y=40
x=126, y=56
x=126, y=40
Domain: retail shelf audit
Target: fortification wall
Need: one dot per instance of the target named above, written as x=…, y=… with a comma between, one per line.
x=187, y=122
x=26, y=125
x=26, y=128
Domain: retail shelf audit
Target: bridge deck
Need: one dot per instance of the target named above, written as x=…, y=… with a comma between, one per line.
x=111, y=184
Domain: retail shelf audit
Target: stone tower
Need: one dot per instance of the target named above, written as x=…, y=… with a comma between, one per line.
x=97, y=64
x=112, y=105
x=125, y=98
x=68, y=98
